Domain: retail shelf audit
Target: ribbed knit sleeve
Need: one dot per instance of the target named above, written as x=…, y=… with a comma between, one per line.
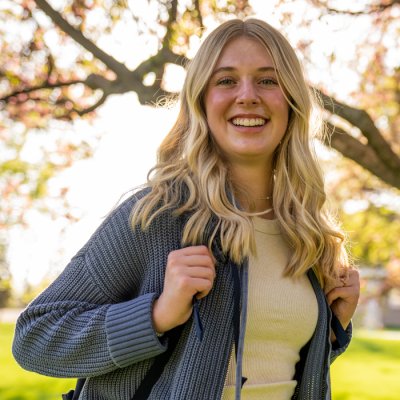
x=337, y=351
x=130, y=332
x=95, y=317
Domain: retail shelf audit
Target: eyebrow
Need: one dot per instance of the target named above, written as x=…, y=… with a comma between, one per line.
x=231, y=69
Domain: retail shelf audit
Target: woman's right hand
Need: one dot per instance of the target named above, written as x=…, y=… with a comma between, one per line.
x=190, y=272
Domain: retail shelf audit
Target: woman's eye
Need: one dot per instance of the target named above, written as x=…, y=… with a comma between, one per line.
x=225, y=81
x=268, y=81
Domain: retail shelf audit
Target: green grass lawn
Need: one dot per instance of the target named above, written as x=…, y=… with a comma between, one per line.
x=18, y=384
x=370, y=370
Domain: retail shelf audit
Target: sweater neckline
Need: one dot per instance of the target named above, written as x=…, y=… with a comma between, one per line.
x=267, y=226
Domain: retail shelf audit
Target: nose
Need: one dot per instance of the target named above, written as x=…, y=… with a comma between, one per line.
x=247, y=94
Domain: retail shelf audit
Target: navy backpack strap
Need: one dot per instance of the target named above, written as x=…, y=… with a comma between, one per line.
x=157, y=368
x=236, y=307
x=74, y=394
x=236, y=304
x=340, y=333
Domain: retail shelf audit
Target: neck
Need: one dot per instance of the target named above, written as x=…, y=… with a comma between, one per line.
x=255, y=188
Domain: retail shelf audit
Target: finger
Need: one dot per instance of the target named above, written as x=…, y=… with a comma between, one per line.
x=191, y=265
x=201, y=249
x=202, y=287
x=346, y=292
x=332, y=295
x=204, y=293
x=347, y=274
x=198, y=260
x=354, y=278
x=190, y=253
x=349, y=278
x=200, y=272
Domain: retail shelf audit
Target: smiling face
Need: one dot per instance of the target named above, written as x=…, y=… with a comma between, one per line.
x=246, y=110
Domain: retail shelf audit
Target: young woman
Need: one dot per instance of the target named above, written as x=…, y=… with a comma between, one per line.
x=223, y=277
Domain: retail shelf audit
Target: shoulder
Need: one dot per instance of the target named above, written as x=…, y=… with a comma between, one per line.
x=117, y=230
x=126, y=205
x=119, y=215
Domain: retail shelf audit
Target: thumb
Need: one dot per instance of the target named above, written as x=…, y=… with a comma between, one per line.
x=334, y=294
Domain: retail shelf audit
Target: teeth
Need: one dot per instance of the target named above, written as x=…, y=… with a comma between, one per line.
x=248, y=121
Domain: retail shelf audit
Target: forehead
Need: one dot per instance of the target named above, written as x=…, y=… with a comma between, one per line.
x=244, y=51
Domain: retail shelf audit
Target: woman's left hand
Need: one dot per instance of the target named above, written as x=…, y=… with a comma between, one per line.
x=343, y=298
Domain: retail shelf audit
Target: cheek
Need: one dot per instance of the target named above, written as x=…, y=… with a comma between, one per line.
x=215, y=102
x=280, y=107
x=279, y=103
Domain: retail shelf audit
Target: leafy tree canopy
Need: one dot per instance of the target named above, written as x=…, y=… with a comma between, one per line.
x=374, y=235
x=61, y=60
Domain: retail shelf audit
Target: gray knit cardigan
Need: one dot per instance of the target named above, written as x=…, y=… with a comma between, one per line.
x=95, y=321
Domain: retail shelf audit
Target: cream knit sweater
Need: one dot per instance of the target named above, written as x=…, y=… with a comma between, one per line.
x=282, y=315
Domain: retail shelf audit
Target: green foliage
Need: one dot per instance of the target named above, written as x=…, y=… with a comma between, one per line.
x=5, y=278
x=5, y=291
x=14, y=166
x=48, y=73
x=374, y=235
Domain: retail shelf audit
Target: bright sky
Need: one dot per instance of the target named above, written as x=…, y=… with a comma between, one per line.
x=127, y=151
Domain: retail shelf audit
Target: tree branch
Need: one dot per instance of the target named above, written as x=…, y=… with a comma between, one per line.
x=151, y=95
x=372, y=9
x=45, y=85
x=197, y=8
x=172, y=14
x=362, y=120
x=363, y=155
x=92, y=108
x=78, y=36
x=127, y=80
x=166, y=55
x=93, y=81
x=157, y=63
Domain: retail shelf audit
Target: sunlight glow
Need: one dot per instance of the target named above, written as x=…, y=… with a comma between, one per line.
x=130, y=133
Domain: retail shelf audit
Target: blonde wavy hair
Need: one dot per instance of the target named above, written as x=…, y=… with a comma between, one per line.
x=191, y=177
